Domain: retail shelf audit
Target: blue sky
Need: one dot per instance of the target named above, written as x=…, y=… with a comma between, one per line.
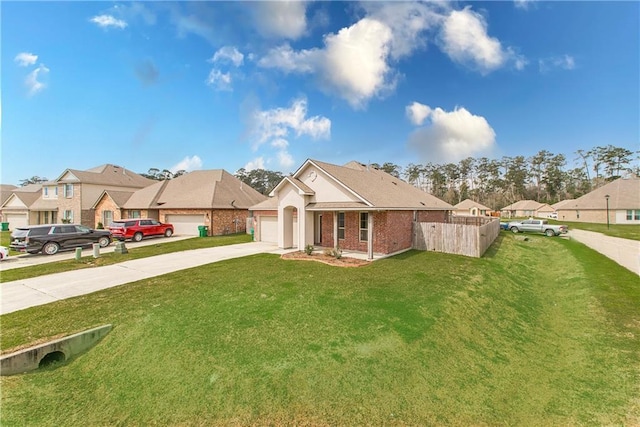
x=208, y=85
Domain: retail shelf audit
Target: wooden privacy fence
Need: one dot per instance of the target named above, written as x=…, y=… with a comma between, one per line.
x=456, y=238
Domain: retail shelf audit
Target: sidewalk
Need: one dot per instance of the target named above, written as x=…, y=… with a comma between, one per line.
x=21, y=294
x=623, y=251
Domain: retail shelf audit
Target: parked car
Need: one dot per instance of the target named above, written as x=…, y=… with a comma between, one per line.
x=553, y=215
x=51, y=238
x=537, y=226
x=136, y=229
x=4, y=252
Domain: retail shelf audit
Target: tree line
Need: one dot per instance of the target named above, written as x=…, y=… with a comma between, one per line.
x=492, y=182
x=543, y=177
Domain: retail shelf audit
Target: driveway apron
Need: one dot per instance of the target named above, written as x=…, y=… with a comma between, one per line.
x=623, y=251
x=21, y=294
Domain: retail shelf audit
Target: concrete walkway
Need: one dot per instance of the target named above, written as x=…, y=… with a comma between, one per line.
x=623, y=251
x=21, y=294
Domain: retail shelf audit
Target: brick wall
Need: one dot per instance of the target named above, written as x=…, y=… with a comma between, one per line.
x=219, y=221
x=392, y=231
x=106, y=204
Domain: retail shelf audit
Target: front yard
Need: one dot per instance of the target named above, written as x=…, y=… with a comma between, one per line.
x=538, y=332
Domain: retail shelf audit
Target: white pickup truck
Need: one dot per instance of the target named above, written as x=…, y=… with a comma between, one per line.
x=537, y=226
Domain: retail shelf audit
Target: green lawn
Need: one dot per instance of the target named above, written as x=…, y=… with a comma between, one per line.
x=539, y=332
x=162, y=247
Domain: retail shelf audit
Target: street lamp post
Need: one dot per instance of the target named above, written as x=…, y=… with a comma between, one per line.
x=607, y=199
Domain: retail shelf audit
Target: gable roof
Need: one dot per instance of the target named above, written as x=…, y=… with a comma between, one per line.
x=118, y=197
x=468, y=204
x=107, y=174
x=523, y=205
x=376, y=188
x=561, y=204
x=203, y=189
x=5, y=192
x=624, y=193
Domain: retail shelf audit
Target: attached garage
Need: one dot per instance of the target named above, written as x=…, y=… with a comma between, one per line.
x=16, y=220
x=268, y=229
x=186, y=225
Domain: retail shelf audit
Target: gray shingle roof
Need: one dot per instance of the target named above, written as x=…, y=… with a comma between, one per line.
x=203, y=189
x=109, y=175
x=624, y=193
x=468, y=204
x=379, y=189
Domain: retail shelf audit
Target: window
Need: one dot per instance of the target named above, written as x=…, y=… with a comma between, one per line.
x=364, y=226
x=56, y=191
x=67, y=216
x=46, y=191
x=68, y=191
x=134, y=214
x=633, y=215
x=340, y=225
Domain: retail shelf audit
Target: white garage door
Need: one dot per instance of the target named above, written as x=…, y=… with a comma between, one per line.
x=186, y=225
x=16, y=220
x=269, y=229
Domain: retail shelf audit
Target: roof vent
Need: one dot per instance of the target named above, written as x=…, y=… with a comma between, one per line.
x=422, y=203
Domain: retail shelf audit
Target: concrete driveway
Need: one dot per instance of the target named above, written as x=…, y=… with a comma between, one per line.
x=26, y=260
x=623, y=251
x=21, y=294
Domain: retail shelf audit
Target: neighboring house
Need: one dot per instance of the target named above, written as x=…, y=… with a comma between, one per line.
x=79, y=190
x=212, y=198
x=470, y=208
x=527, y=208
x=354, y=207
x=16, y=209
x=5, y=192
x=70, y=197
x=622, y=206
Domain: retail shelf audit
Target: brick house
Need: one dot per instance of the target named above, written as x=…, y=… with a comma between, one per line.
x=355, y=207
x=212, y=198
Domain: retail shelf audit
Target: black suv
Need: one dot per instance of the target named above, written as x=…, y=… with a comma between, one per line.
x=51, y=238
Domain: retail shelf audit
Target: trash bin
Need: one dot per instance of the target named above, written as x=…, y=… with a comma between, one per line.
x=203, y=230
x=5, y=226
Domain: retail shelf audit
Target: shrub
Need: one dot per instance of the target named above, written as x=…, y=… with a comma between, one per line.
x=100, y=226
x=308, y=249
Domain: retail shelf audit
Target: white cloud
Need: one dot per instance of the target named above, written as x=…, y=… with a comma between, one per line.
x=187, y=164
x=417, y=113
x=228, y=54
x=25, y=59
x=408, y=21
x=107, y=21
x=285, y=160
x=465, y=40
x=564, y=62
x=280, y=143
x=34, y=82
x=286, y=59
x=219, y=80
x=257, y=163
x=523, y=4
x=281, y=19
x=275, y=128
x=452, y=136
x=356, y=62
x=272, y=125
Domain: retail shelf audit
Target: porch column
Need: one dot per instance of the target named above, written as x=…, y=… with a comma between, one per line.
x=370, y=236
